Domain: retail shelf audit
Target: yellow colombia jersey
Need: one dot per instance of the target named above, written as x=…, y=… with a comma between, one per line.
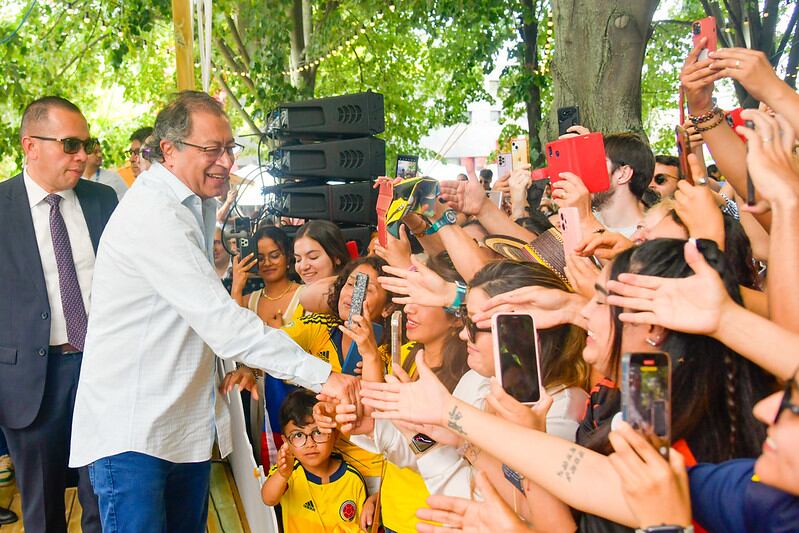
x=308, y=506
x=313, y=333
x=403, y=490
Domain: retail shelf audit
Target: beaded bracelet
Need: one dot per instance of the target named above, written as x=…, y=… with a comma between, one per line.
x=700, y=129
x=699, y=119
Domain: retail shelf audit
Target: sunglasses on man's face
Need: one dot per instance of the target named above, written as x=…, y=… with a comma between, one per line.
x=72, y=145
x=660, y=179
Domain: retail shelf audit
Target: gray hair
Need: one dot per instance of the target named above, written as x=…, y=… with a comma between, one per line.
x=173, y=122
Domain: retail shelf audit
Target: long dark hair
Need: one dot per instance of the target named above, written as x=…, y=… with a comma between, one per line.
x=455, y=363
x=713, y=388
x=281, y=240
x=330, y=238
x=561, y=347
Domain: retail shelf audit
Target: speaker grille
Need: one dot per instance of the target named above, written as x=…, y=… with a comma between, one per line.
x=350, y=114
x=351, y=203
x=351, y=158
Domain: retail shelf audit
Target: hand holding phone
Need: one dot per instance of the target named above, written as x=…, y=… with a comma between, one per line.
x=516, y=360
x=705, y=27
x=570, y=229
x=583, y=155
x=646, y=397
x=396, y=340
x=568, y=117
x=358, y=296
x=248, y=245
x=683, y=149
x=520, y=152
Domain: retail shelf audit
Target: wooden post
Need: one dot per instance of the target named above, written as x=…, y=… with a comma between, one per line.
x=184, y=43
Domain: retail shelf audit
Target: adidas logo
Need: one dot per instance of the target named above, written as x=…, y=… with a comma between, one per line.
x=309, y=505
x=324, y=355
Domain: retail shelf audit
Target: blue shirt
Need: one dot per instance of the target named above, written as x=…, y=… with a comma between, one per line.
x=724, y=498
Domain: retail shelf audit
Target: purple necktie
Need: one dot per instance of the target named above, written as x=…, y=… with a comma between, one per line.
x=71, y=298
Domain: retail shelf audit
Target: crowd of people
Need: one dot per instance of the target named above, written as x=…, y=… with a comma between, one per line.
x=121, y=318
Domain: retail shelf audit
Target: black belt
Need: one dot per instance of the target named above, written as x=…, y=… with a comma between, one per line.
x=64, y=349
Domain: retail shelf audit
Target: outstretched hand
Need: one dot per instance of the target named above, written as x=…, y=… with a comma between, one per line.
x=693, y=304
x=421, y=286
x=244, y=377
x=551, y=307
x=460, y=515
x=464, y=196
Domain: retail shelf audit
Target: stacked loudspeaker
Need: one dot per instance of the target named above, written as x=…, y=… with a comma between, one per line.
x=326, y=160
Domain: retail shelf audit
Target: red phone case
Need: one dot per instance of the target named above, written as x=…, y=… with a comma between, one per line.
x=734, y=119
x=583, y=155
x=384, y=197
x=706, y=28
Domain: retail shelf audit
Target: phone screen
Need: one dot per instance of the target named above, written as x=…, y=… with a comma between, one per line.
x=517, y=354
x=396, y=339
x=407, y=166
x=646, y=396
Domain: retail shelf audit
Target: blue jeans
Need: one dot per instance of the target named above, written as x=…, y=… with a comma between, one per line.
x=141, y=493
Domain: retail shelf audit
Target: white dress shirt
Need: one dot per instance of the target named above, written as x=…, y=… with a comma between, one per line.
x=112, y=179
x=80, y=242
x=159, y=315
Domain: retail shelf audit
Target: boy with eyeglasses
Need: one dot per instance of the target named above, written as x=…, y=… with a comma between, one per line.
x=316, y=489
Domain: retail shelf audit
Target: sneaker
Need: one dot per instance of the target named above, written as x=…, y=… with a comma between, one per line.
x=6, y=471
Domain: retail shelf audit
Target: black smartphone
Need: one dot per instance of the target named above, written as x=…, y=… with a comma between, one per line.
x=407, y=166
x=516, y=356
x=358, y=296
x=567, y=117
x=750, y=187
x=248, y=245
x=646, y=396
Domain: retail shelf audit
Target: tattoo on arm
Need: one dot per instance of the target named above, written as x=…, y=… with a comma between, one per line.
x=452, y=422
x=568, y=467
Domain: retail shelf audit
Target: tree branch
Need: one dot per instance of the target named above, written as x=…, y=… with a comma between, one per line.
x=785, y=36
x=227, y=55
x=246, y=116
x=234, y=31
x=793, y=59
x=81, y=53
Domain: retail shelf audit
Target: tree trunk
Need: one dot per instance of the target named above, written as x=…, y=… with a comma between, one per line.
x=599, y=54
x=528, y=28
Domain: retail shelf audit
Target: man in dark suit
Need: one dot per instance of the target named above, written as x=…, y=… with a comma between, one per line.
x=50, y=226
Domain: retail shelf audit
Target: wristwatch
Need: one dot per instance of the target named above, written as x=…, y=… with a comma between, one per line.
x=666, y=529
x=449, y=217
x=460, y=294
x=420, y=443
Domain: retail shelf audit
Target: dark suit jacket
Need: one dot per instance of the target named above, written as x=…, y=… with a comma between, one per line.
x=24, y=306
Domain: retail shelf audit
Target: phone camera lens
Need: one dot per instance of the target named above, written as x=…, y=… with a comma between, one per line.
x=550, y=151
x=557, y=153
x=697, y=28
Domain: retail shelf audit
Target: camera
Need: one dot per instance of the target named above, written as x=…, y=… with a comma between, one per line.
x=696, y=28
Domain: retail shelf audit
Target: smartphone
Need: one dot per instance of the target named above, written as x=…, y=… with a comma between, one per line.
x=495, y=197
x=568, y=117
x=646, y=397
x=384, y=196
x=734, y=119
x=504, y=164
x=683, y=149
x=407, y=166
x=516, y=360
x=519, y=152
x=750, y=186
x=396, y=340
x=248, y=245
x=570, y=229
x=584, y=155
x=358, y=296
x=705, y=27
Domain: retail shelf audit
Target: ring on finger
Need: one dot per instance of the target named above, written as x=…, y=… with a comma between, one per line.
x=701, y=181
x=738, y=63
x=766, y=139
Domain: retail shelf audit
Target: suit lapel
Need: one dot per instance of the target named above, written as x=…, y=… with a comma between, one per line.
x=21, y=212
x=91, y=212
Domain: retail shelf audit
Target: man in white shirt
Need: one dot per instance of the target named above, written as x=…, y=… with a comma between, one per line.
x=147, y=404
x=93, y=172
